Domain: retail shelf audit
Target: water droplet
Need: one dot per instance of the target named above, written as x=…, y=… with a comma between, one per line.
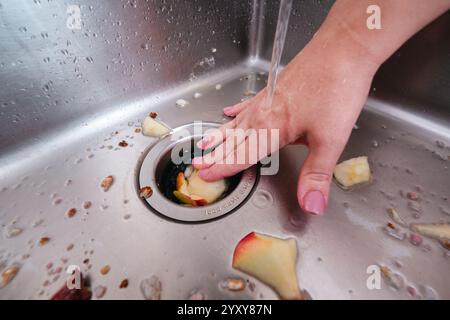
x=197, y=95
x=262, y=199
x=181, y=103
x=151, y=288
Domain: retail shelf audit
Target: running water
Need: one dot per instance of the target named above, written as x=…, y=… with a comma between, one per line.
x=278, y=44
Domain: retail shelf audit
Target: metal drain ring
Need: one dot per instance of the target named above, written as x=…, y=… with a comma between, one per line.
x=165, y=207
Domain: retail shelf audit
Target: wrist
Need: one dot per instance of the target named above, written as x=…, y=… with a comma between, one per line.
x=339, y=47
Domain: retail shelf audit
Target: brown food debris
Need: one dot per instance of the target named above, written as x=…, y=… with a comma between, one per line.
x=87, y=204
x=153, y=115
x=145, y=192
x=105, y=269
x=137, y=130
x=123, y=284
x=8, y=275
x=43, y=241
x=391, y=226
x=70, y=247
x=445, y=243
x=106, y=183
x=234, y=284
x=412, y=196
x=123, y=144
x=71, y=212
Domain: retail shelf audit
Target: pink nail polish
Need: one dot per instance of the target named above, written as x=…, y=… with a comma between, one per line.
x=314, y=202
x=196, y=161
x=202, y=174
x=204, y=142
x=227, y=110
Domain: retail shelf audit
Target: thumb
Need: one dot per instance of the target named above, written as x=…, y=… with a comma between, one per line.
x=315, y=177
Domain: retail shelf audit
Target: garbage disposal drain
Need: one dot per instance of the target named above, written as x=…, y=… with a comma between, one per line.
x=155, y=171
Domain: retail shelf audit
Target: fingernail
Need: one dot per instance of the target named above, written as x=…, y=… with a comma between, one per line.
x=227, y=110
x=202, y=174
x=196, y=161
x=204, y=142
x=314, y=202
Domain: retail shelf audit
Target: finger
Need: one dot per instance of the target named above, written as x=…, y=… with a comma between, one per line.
x=302, y=140
x=215, y=136
x=236, y=161
x=316, y=176
x=234, y=138
x=237, y=108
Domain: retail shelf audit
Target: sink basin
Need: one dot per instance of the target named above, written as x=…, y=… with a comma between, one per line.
x=75, y=86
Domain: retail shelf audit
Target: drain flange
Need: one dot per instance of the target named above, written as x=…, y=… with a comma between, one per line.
x=158, y=156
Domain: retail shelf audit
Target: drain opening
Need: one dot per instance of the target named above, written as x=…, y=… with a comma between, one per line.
x=167, y=172
x=159, y=172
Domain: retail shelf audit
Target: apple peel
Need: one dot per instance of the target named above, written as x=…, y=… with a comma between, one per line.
x=270, y=260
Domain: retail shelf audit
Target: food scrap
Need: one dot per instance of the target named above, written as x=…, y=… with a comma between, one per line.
x=415, y=239
x=233, y=284
x=43, y=241
x=445, y=244
x=153, y=128
x=107, y=183
x=153, y=115
x=352, y=172
x=123, y=284
x=145, y=192
x=87, y=204
x=271, y=260
x=432, y=230
x=71, y=212
x=123, y=144
x=393, y=214
x=8, y=275
x=105, y=269
x=393, y=231
x=194, y=191
x=412, y=196
x=392, y=279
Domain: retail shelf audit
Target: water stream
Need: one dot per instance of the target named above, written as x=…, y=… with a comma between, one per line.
x=278, y=45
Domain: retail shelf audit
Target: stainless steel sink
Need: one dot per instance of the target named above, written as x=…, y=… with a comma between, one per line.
x=69, y=96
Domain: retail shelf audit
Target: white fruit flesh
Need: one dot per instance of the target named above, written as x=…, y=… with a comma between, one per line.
x=271, y=260
x=432, y=230
x=352, y=172
x=210, y=191
x=153, y=128
x=193, y=187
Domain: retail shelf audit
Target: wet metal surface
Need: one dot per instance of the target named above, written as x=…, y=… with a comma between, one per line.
x=51, y=165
